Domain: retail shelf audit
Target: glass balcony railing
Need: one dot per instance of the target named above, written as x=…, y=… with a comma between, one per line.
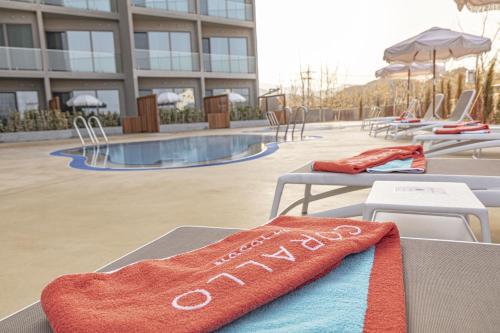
x=223, y=63
x=19, y=58
x=183, y=6
x=94, y=5
x=230, y=9
x=160, y=60
x=83, y=61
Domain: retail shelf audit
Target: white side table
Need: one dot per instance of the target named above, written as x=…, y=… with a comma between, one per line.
x=426, y=198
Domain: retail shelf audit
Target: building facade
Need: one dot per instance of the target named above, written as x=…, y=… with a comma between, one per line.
x=118, y=50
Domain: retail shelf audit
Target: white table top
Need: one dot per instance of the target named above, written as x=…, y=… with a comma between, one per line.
x=423, y=194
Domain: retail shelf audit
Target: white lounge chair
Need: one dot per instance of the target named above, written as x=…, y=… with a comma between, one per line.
x=442, y=144
x=459, y=114
x=482, y=177
x=382, y=122
x=428, y=116
x=374, y=114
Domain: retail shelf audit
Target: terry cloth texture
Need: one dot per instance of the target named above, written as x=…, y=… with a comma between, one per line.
x=409, y=165
x=205, y=289
x=480, y=128
x=369, y=159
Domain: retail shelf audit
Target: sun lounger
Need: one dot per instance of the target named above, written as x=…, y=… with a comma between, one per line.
x=375, y=123
x=449, y=286
x=428, y=116
x=459, y=114
x=442, y=144
x=482, y=177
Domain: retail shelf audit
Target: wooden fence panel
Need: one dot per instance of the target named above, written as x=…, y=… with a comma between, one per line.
x=55, y=104
x=148, y=113
x=217, y=111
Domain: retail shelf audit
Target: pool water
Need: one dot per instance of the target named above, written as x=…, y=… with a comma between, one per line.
x=172, y=153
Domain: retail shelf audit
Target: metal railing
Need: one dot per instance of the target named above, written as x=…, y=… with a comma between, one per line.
x=233, y=10
x=91, y=5
x=223, y=63
x=304, y=116
x=183, y=6
x=20, y=58
x=90, y=130
x=83, y=61
x=167, y=60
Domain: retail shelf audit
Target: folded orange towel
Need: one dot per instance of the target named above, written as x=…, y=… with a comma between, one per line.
x=369, y=159
x=463, y=129
x=203, y=290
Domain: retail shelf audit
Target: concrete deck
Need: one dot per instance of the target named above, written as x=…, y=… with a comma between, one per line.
x=56, y=220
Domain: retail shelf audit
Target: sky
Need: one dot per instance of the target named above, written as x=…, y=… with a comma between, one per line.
x=350, y=35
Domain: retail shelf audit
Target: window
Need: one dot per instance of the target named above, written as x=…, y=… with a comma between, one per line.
x=2, y=37
x=27, y=101
x=165, y=50
x=88, y=51
x=233, y=9
x=226, y=54
x=245, y=92
x=186, y=94
x=21, y=101
x=110, y=99
x=7, y=104
x=17, y=35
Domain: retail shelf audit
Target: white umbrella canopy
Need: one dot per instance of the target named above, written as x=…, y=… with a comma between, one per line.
x=236, y=98
x=403, y=71
x=478, y=5
x=167, y=98
x=437, y=44
x=84, y=101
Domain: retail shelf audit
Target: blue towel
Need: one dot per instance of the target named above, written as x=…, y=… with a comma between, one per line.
x=405, y=166
x=335, y=303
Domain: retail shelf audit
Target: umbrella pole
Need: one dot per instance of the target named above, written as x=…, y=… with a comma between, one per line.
x=408, y=95
x=434, y=83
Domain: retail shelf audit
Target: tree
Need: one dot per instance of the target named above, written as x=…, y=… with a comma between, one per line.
x=488, y=103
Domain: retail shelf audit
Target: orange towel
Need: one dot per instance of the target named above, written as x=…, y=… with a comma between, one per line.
x=369, y=159
x=203, y=290
x=463, y=129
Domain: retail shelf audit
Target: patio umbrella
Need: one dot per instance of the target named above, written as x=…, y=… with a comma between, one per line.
x=436, y=44
x=236, y=98
x=168, y=98
x=403, y=71
x=85, y=101
x=478, y=5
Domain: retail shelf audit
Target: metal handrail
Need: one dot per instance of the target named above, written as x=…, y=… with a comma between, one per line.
x=288, y=112
x=304, y=112
x=89, y=131
x=99, y=125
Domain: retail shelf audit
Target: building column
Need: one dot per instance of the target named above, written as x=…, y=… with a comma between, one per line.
x=45, y=60
x=127, y=48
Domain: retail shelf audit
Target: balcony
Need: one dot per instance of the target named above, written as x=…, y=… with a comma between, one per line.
x=18, y=58
x=223, y=63
x=233, y=10
x=159, y=60
x=182, y=6
x=92, y=5
x=83, y=61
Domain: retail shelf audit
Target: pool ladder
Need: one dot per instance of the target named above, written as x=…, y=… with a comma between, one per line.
x=90, y=130
x=290, y=115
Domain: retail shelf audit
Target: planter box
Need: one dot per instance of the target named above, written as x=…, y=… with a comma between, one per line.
x=71, y=133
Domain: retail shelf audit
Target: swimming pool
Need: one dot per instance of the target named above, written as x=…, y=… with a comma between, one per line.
x=186, y=152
